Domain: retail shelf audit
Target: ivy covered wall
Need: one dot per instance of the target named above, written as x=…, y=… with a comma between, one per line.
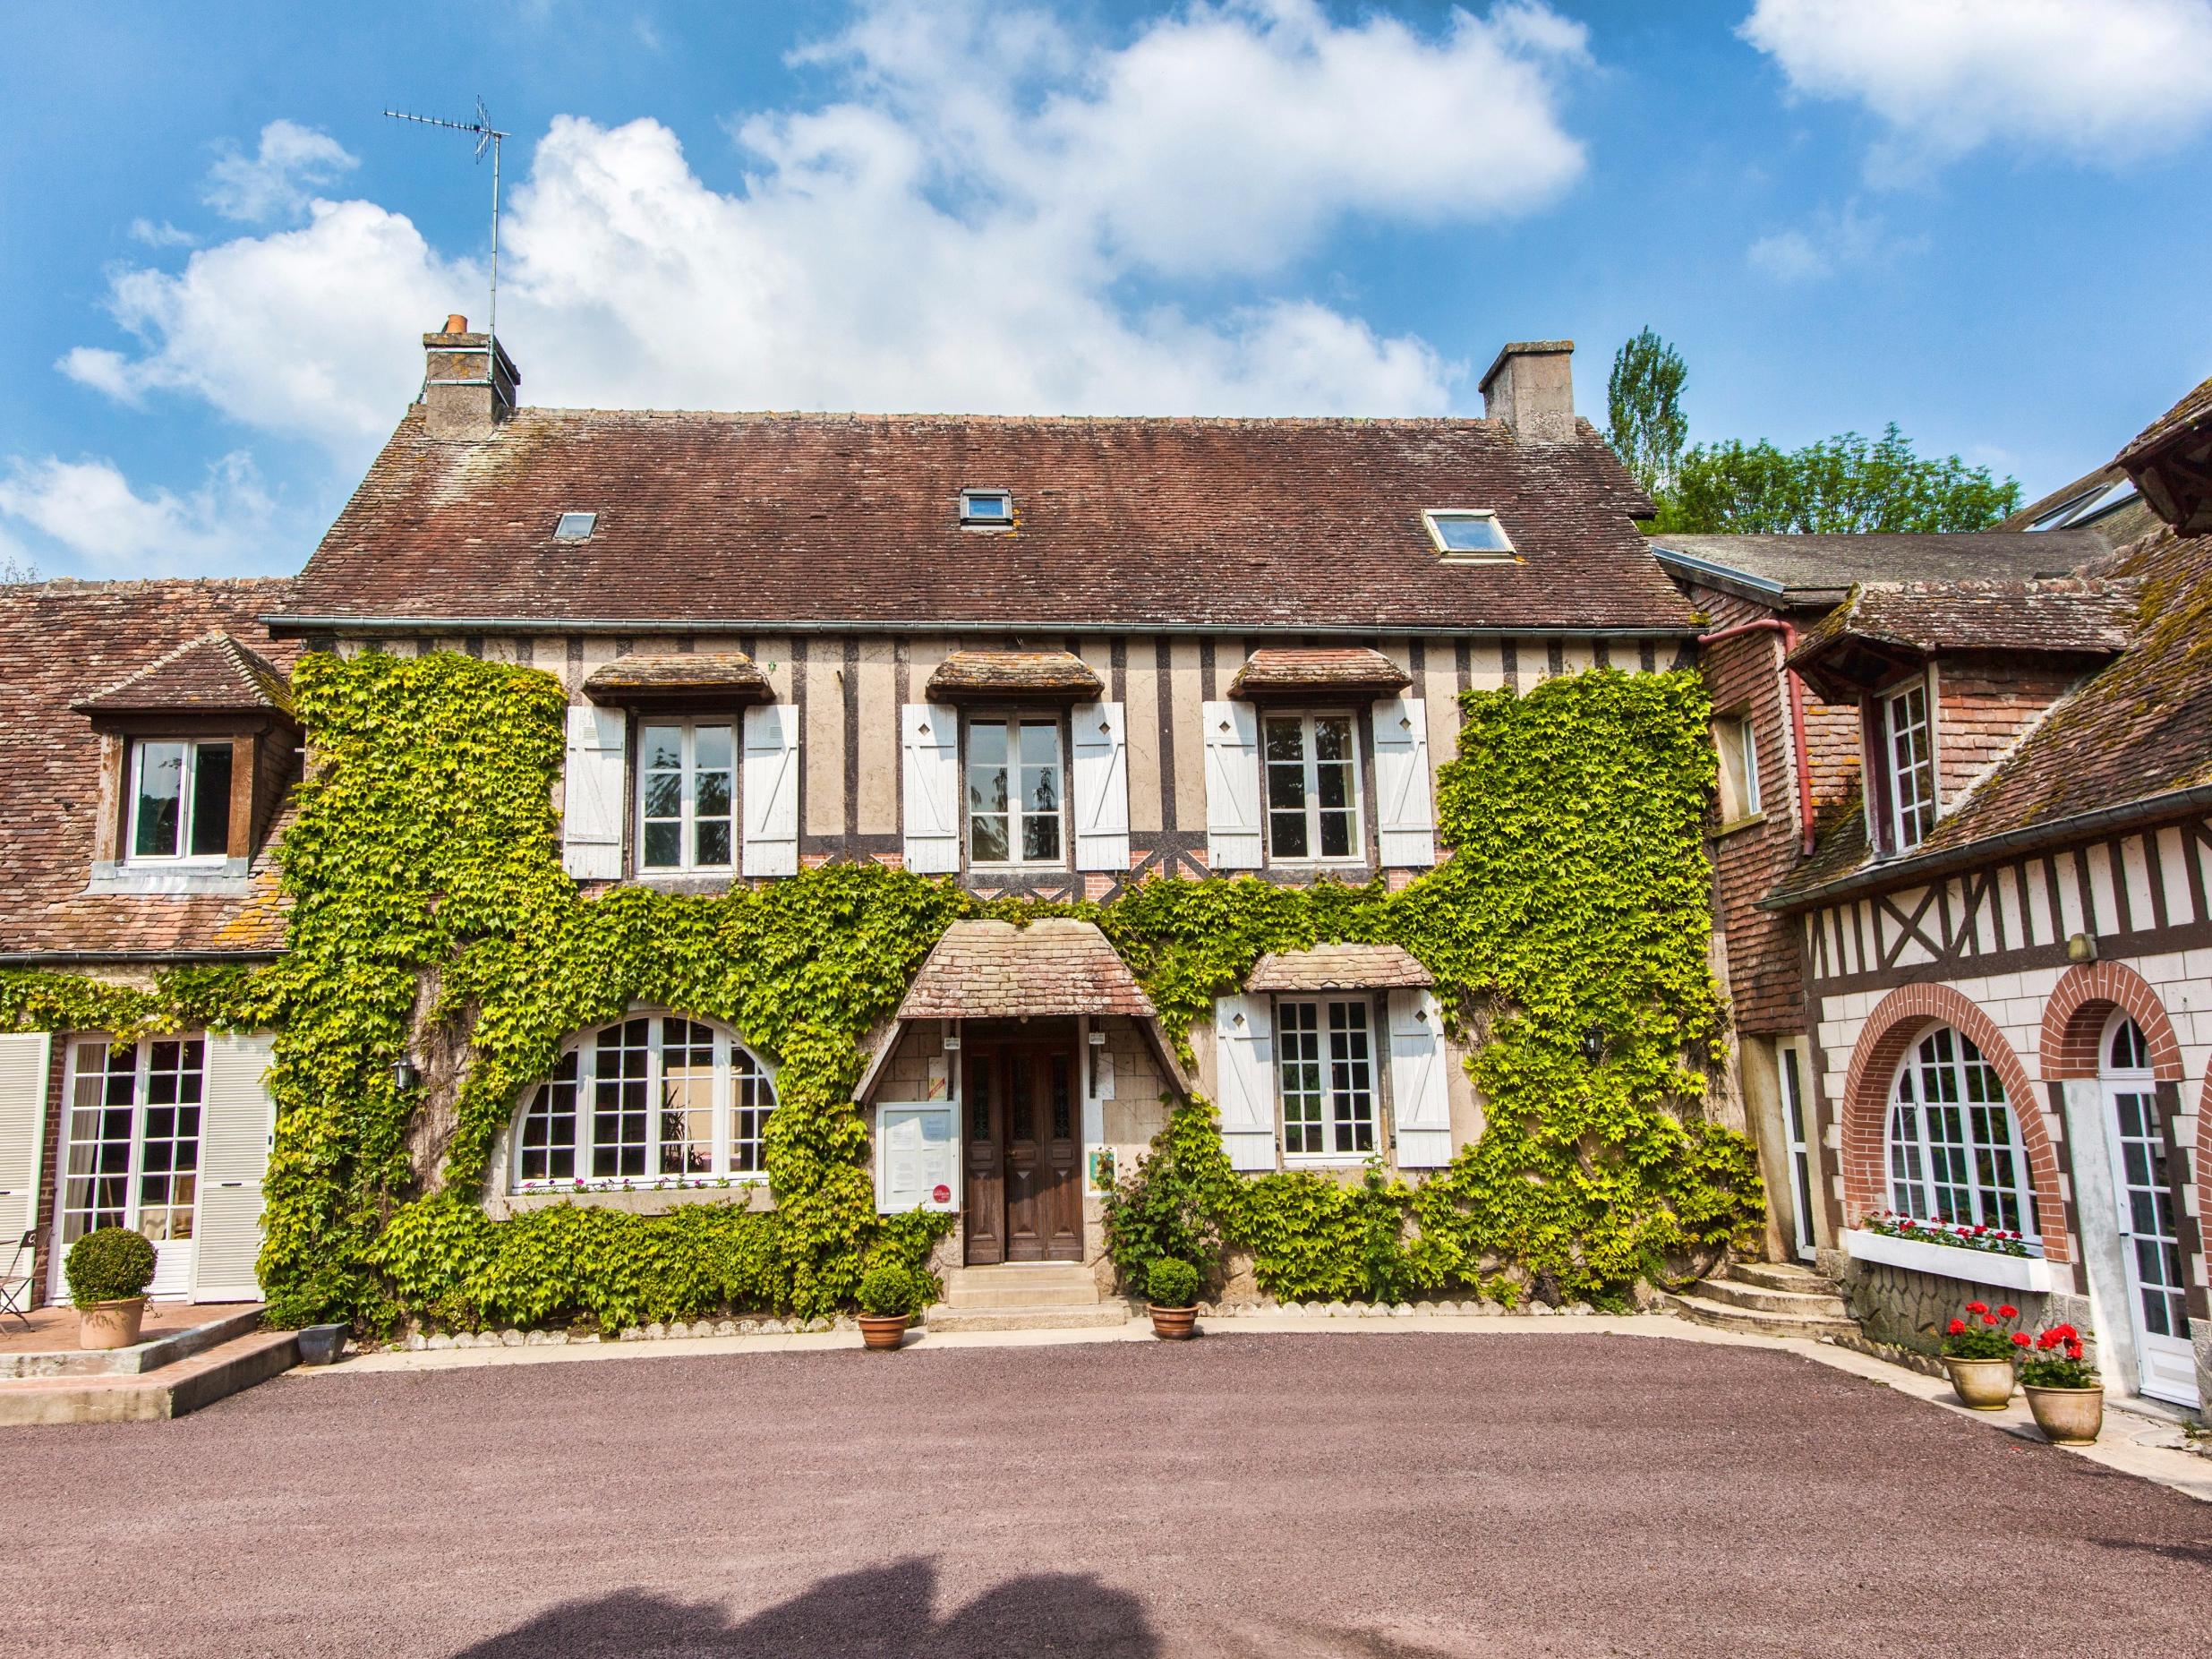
x=431, y=916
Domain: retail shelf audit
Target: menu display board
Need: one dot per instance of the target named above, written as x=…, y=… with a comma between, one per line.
x=916, y=1167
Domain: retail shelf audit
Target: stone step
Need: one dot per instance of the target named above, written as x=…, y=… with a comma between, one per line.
x=151, y=1396
x=143, y=1356
x=1750, y=1321
x=1016, y=1284
x=1800, y=1304
x=1071, y=1316
x=1782, y=1276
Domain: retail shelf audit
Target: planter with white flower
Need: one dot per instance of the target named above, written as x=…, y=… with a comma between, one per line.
x=1978, y=1353
x=2063, y=1390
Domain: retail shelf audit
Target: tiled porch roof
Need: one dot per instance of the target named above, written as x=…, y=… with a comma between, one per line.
x=993, y=970
x=1015, y=674
x=638, y=678
x=214, y=674
x=1318, y=668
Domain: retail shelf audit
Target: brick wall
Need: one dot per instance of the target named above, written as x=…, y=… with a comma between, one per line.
x=1985, y=705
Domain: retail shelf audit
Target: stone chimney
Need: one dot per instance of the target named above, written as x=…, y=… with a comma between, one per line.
x=1531, y=387
x=468, y=384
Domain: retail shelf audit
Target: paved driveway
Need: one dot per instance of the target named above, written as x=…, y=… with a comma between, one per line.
x=1386, y=1496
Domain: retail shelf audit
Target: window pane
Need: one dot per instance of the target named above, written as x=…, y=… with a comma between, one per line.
x=1299, y=1048
x=714, y=843
x=1332, y=739
x=159, y=812
x=1288, y=832
x=1352, y=1094
x=710, y=749
x=664, y=845
x=1286, y=741
x=548, y=1128
x=660, y=749
x=1041, y=743
x=711, y=795
x=1336, y=834
x=687, y=1124
x=986, y=743
x=1287, y=788
x=1470, y=533
x=211, y=800
x=619, y=1113
x=1040, y=838
x=752, y=1098
x=987, y=839
x=664, y=794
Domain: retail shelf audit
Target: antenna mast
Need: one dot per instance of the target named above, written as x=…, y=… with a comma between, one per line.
x=487, y=135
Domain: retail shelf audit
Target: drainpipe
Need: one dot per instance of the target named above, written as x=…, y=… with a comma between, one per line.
x=1775, y=625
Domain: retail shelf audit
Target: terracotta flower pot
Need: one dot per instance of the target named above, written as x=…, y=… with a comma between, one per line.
x=882, y=1330
x=1982, y=1384
x=2067, y=1416
x=1173, y=1324
x=111, y=1324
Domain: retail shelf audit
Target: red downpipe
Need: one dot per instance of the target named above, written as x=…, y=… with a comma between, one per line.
x=1775, y=625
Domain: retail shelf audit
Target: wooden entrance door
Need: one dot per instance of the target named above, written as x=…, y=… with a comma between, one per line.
x=1024, y=1195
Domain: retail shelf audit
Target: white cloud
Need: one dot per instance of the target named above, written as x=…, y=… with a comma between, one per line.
x=162, y=235
x=88, y=509
x=2103, y=81
x=278, y=180
x=1833, y=240
x=931, y=238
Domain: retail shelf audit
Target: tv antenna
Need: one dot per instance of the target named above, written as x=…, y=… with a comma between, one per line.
x=487, y=137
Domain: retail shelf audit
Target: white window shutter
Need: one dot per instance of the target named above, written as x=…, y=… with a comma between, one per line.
x=594, y=800
x=1101, y=792
x=23, y=1060
x=1419, y=1090
x=1402, y=796
x=929, y=734
x=1244, y=1080
x=237, y=1122
x=771, y=789
x=1231, y=786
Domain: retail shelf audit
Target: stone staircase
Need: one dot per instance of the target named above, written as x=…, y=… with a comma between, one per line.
x=164, y=1377
x=1768, y=1299
x=1024, y=1296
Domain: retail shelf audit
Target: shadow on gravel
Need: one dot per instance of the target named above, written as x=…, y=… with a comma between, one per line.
x=885, y=1609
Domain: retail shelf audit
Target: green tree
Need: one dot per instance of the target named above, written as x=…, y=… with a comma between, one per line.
x=1644, y=407
x=1846, y=483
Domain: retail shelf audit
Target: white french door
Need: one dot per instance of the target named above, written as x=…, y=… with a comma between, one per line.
x=2149, y=1238
x=1790, y=1063
x=132, y=1152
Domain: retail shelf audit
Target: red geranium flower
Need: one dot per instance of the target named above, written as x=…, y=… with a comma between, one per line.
x=1989, y=1319
x=1977, y=1307
x=2008, y=1312
x=1980, y=1230
x=1957, y=1326
x=2021, y=1340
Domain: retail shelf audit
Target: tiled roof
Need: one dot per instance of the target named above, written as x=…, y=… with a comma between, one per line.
x=987, y=970
x=2140, y=728
x=636, y=677
x=1338, y=967
x=1815, y=570
x=2195, y=410
x=2172, y=461
x=1030, y=674
x=63, y=641
x=212, y=674
x=732, y=521
x=1315, y=668
x=2071, y=614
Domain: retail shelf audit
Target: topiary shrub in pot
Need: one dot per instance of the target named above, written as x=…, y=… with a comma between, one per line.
x=109, y=1270
x=1171, y=1289
x=891, y=1295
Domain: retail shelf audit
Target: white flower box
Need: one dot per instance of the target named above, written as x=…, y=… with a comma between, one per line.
x=1977, y=1267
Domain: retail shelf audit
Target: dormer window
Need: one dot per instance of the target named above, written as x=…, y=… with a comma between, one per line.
x=180, y=801
x=987, y=507
x=1468, y=533
x=1909, y=757
x=575, y=527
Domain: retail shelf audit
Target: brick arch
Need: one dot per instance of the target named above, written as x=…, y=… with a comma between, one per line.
x=1897, y=1020
x=2073, y=1021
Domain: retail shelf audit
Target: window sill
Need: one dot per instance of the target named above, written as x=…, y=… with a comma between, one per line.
x=1750, y=820
x=1974, y=1267
x=218, y=879
x=751, y=1191
x=1326, y=1160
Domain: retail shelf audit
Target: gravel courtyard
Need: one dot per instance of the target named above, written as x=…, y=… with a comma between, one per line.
x=1386, y=1496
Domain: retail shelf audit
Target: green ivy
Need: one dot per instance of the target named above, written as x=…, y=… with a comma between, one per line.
x=429, y=915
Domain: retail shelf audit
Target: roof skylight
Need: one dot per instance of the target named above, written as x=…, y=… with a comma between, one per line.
x=987, y=507
x=1468, y=533
x=575, y=527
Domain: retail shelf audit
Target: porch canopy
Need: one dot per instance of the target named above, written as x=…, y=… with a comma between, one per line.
x=1015, y=674
x=1339, y=968
x=996, y=970
x=1289, y=670
x=639, y=680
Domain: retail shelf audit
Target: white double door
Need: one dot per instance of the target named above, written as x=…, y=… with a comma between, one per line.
x=2149, y=1242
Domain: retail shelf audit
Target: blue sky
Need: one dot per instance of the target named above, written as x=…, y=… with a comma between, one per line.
x=1970, y=217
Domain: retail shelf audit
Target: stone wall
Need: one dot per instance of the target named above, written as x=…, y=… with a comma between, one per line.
x=1910, y=1310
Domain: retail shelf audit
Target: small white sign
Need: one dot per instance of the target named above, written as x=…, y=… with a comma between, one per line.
x=916, y=1167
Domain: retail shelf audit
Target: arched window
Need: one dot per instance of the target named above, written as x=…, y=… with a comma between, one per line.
x=2125, y=1049
x=1954, y=1151
x=654, y=1099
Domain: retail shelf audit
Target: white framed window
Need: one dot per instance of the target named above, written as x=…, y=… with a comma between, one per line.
x=1017, y=794
x=180, y=801
x=1909, y=752
x=1312, y=765
x=1954, y=1151
x=655, y=1099
x=1324, y=1080
x=987, y=507
x=1468, y=533
x=1738, y=746
x=687, y=795
x=575, y=526
x=133, y=1137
